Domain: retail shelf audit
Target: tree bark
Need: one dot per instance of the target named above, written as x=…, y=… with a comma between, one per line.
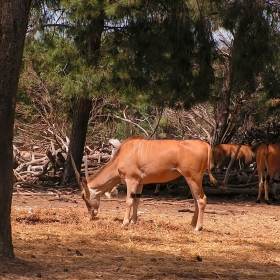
x=13, y=25
x=82, y=108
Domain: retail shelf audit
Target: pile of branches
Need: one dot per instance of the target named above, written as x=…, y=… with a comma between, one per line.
x=43, y=170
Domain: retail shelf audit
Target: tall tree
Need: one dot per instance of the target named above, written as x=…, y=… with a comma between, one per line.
x=88, y=40
x=159, y=49
x=13, y=26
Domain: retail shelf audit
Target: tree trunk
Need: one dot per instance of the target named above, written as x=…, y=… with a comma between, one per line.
x=82, y=108
x=13, y=26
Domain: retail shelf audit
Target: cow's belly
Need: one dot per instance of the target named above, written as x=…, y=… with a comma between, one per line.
x=161, y=177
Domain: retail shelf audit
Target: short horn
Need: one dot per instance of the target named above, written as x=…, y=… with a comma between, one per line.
x=86, y=193
x=85, y=187
x=78, y=178
x=86, y=201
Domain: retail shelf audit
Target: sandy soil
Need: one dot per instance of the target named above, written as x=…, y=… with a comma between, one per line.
x=57, y=240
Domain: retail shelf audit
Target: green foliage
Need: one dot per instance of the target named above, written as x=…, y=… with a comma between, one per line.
x=41, y=81
x=157, y=48
x=163, y=52
x=149, y=54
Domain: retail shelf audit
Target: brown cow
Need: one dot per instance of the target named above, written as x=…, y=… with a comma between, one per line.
x=223, y=153
x=141, y=161
x=268, y=165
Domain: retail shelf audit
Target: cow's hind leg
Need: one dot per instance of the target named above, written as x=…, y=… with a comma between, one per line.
x=266, y=186
x=275, y=182
x=199, y=202
x=274, y=187
x=136, y=201
x=195, y=214
x=260, y=190
x=130, y=196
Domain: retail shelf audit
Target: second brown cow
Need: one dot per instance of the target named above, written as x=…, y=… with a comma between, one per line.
x=223, y=153
x=268, y=164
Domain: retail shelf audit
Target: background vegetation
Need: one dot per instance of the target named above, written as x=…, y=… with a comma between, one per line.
x=152, y=62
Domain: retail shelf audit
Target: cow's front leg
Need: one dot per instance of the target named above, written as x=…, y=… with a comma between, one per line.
x=136, y=201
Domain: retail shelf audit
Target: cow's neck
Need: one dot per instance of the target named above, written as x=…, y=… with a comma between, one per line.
x=106, y=178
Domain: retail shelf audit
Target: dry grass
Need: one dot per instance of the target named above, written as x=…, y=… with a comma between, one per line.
x=240, y=241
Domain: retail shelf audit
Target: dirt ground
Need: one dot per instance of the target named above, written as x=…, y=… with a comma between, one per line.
x=55, y=239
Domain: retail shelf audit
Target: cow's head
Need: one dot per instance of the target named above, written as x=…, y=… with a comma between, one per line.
x=91, y=198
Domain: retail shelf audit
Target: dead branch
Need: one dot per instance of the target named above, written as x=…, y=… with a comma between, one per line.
x=133, y=123
x=63, y=198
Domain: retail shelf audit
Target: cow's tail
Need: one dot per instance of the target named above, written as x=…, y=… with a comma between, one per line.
x=267, y=177
x=210, y=166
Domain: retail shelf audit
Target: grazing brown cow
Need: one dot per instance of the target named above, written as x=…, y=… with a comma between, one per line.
x=141, y=161
x=223, y=153
x=268, y=165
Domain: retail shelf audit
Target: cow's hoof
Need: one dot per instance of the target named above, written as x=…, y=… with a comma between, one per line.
x=193, y=224
x=267, y=202
x=258, y=201
x=125, y=223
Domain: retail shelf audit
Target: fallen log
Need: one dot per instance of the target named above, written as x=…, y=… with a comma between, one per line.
x=206, y=211
x=34, y=194
x=235, y=190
